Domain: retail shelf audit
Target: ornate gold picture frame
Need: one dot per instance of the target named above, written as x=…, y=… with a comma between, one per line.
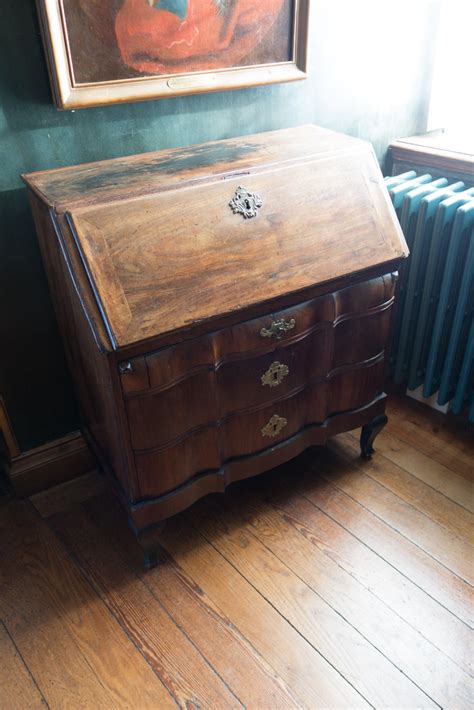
x=111, y=51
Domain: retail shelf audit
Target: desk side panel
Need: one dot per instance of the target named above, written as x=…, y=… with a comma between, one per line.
x=92, y=366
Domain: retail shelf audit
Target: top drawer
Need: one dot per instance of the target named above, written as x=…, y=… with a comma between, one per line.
x=168, y=366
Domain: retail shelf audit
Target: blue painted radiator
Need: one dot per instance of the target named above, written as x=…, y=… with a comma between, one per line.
x=433, y=342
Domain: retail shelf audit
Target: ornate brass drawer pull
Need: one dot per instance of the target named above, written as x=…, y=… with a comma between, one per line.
x=275, y=374
x=274, y=426
x=278, y=328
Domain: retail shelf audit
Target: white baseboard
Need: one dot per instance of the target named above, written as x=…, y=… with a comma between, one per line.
x=430, y=401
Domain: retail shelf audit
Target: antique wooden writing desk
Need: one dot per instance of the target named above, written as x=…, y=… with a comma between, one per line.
x=223, y=306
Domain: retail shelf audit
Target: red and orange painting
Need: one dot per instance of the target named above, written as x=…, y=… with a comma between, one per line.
x=112, y=40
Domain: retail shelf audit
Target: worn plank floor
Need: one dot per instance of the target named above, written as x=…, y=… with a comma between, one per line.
x=327, y=583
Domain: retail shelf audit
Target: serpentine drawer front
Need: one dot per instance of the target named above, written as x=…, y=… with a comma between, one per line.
x=237, y=381
x=222, y=306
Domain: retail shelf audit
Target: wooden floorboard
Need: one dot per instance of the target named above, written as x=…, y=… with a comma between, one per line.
x=313, y=520
x=454, y=552
x=166, y=646
x=400, y=553
x=72, y=646
x=445, y=439
x=268, y=550
x=64, y=496
x=451, y=515
x=17, y=688
x=303, y=668
x=434, y=474
x=329, y=582
x=259, y=551
x=219, y=640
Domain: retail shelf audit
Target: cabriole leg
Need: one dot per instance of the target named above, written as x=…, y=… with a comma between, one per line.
x=149, y=543
x=368, y=434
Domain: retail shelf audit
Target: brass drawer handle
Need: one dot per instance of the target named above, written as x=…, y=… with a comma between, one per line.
x=278, y=328
x=275, y=374
x=274, y=426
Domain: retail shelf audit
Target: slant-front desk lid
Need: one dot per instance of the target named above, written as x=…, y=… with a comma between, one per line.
x=168, y=239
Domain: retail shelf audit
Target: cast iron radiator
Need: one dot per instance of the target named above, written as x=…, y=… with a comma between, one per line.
x=433, y=343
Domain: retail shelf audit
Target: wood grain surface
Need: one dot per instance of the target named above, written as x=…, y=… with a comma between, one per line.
x=18, y=688
x=452, y=551
x=301, y=589
x=163, y=262
x=134, y=175
x=145, y=513
x=70, y=643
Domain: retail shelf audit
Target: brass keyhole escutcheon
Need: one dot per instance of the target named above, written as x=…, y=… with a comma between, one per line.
x=245, y=203
x=274, y=426
x=275, y=374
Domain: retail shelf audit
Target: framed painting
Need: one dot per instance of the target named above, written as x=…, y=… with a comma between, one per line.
x=109, y=51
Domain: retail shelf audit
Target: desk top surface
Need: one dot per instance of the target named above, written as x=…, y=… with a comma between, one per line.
x=163, y=250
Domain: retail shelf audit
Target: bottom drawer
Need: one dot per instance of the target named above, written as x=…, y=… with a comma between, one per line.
x=208, y=448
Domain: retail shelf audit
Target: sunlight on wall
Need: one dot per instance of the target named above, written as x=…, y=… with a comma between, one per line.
x=452, y=99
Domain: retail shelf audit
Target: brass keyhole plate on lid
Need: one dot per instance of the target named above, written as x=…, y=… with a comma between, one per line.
x=245, y=203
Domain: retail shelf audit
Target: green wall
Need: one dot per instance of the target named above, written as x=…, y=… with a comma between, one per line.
x=370, y=77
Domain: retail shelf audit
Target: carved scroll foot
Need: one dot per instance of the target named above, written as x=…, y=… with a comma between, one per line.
x=368, y=434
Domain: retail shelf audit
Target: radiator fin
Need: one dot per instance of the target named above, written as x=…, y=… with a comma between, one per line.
x=433, y=341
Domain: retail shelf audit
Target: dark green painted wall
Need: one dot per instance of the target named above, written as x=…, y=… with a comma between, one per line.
x=370, y=77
